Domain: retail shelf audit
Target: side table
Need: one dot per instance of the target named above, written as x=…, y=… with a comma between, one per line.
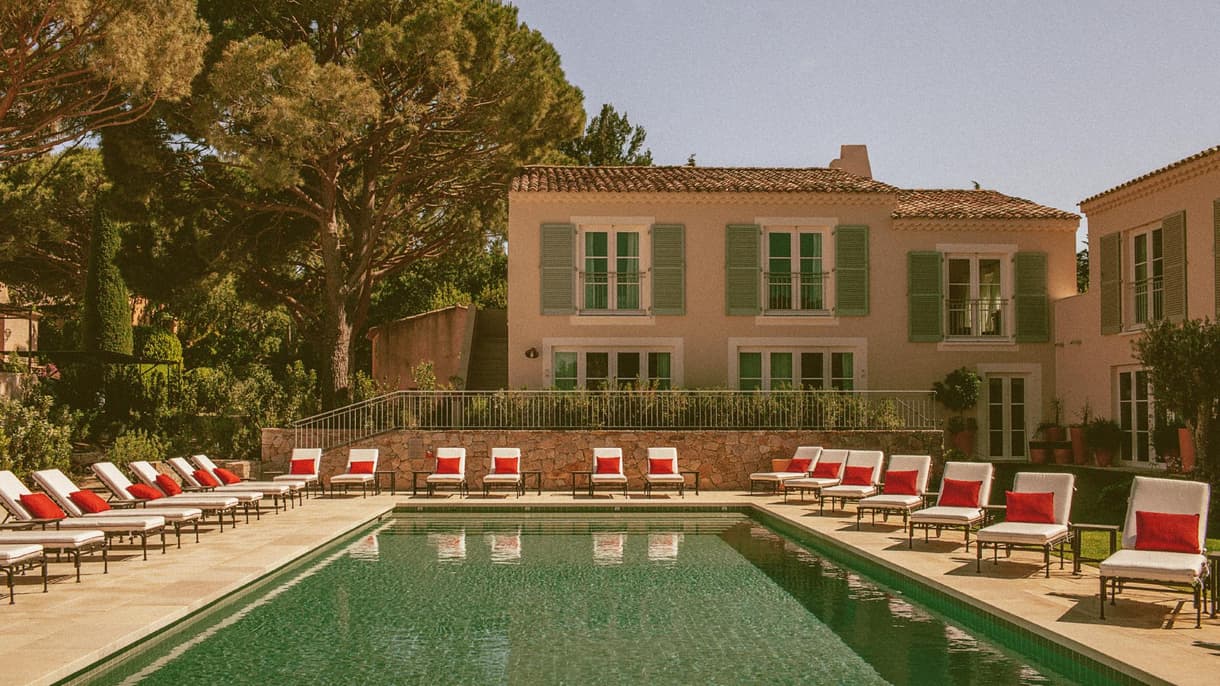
x=537, y=474
x=695, y=472
x=588, y=474
x=1079, y=528
x=415, y=479
x=393, y=474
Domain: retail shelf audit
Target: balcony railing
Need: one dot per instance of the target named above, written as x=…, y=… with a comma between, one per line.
x=1147, y=298
x=618, y=410
x=795, y=291
x=976, y=318
x=598, y=287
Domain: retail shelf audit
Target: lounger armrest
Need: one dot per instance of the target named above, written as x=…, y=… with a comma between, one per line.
x=127, y=504
x=197, y=489
x=930, y=498
x=992, y=513
x=30, y=524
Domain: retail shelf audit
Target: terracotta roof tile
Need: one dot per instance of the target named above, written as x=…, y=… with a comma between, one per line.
x=971, y=204
x=555, y=179
x=1197, y=156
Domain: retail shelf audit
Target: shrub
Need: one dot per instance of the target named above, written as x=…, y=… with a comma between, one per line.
x=136, y=445
x=959, y=391
x=29, y=439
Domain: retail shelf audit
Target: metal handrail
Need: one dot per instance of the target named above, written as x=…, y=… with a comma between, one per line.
x=623, y=409
x=977, y=318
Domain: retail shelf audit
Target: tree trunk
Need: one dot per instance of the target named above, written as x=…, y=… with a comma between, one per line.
x=336, y=373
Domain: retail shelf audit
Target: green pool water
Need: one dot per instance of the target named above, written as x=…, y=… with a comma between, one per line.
x=570, y=599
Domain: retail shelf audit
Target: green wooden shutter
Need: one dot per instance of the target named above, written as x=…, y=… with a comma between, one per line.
x=1173, y=238
x=1030, y=299
x=851, y=271
x=1216, y=251
x=925, y=301
x=1110, y=266
x=668, y=269
x=558, y=287
x=741, y=277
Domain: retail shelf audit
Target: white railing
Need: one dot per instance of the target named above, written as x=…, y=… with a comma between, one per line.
x=976, y=318
x=618, y=410
x=794, y=291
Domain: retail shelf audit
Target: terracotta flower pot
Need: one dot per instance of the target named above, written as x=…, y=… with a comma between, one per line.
x=1063, y=454
x=1186, y=446
x=1054, y=433
x=1080, y=448
x=964, y=441
x=1038, y=455
x=1103, y=458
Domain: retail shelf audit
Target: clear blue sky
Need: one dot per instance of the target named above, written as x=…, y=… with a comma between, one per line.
x=1051, y=101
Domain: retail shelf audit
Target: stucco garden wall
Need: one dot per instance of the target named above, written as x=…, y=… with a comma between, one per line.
x=724, y=459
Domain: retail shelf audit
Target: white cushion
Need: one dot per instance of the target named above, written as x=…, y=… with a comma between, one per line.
x=351, y=478
x=891, y=501
x=200, y=501
x=947, y=515
x=811, y=482
x=775, y=476
x=266, y=488
x=1150, y=494
x=502, y=478
x=306, y=478
x=664, y=478
x=608, y=478
x=849, y=492
x=445, y=478
x=15, y=552
x=1154, y=565
x=171, y=513
x=1022, y=532
x=109, y=521
x=61, y=538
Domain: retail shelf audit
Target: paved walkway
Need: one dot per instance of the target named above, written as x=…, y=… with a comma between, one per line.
x=44, y=638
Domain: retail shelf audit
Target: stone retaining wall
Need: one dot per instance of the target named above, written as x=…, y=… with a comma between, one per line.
x=724, y=459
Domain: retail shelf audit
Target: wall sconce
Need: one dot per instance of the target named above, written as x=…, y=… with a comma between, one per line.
x=532, y=353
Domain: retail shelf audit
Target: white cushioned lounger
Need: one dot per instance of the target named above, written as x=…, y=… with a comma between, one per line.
x=615, y=480
x=113, y=522
x=774, y=479
x=208, y=502
x=903, y=503
x=953, y=516
x=807, y=482
x=18, y=557
x=306, y=458
x=186, y=472
x=1033, y=534
x=295, y=487
x=347, y=478
x=495, y=479
x=872, y=459
x=437, y=480
x=174, y=513
x=670, y=479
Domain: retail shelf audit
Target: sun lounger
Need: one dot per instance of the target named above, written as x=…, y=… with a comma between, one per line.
x=12, y=491
x=861, y=475
x=199, y=480
x=964, y=490
x=905, y=483
x=805, y=458
x=219, y=503
x=227, y=479
x=304, y=465
x=826, y=471
x=607, y=469
x=123, y=492
x=663, y=471
x=449, y=471
x=90, y=509
x=54, y=481
x=16, y=558
x=1163, y=539
x=71, y=542
x=1037, y=512
x=505, y=471
x=361, y=470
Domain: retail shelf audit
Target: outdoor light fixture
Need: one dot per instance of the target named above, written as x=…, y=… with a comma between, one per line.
x=531, y=353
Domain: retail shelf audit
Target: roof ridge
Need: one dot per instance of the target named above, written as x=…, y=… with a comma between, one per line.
x=1155, y=172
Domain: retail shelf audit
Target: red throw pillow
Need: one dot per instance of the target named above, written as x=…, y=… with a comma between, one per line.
x=901, y=482
x=799, y=464
x=608, y=465
x=144, y=492
x=1165, y=532
x=448, y=465
x=826, y=470
x=858, y=476
x=41, y=506
x=1035, y=508
x=302, y=467
x=504, y=465
x=660, y=465
x=957, y=493
x=205, y=479
x=166, y=483
x=89, y=501
x=226, y=476
x=361, y=467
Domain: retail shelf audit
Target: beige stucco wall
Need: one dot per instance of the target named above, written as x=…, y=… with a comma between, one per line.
x=442, y=337
x=1087, y=361
x=889, y=362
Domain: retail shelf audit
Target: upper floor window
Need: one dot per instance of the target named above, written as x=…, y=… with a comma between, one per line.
x=795, y=279
x=602, y=369
x=977, y=302
x=793, y=369
x=612, y=276
x=1147, y=296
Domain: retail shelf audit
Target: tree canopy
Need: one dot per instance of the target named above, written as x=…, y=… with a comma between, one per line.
x=609, y=140
x=1184, y=362
x=72, y=67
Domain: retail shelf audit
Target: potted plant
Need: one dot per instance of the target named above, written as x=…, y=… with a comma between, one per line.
x=1053, y=431
x=1080, y=443
x=1040, y=448
x=1105, y=436
x=959, y=391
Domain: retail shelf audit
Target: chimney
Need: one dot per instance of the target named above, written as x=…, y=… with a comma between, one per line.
x=853, y=159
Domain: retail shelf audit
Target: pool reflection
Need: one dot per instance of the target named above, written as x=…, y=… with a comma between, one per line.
x=450, y=546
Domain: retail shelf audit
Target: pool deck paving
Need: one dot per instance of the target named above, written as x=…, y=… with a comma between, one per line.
x=1149, y=634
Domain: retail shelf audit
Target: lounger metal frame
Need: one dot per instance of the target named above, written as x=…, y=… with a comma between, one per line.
x=22, y=565
x=73, y=552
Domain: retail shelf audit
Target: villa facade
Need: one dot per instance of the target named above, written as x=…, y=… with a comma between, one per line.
x=1154, y=246
x=764, y=278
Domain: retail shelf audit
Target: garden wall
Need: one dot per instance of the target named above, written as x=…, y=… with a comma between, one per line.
x=724, y=459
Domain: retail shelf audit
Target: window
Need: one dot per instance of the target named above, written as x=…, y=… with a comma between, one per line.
x=976, y=306
x=602, y=369
x=790, y=369
x=1135, y=411
x=611, y=277
x=1147, y=274
x=1005, y=430
x=796, y=276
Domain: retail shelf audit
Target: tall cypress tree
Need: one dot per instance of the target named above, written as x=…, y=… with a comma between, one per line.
x=107, y=313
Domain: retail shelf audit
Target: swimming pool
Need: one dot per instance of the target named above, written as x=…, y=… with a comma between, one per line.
x=557, y=598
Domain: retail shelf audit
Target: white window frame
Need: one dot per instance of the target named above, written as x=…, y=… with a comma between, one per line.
x=1033, y=398
x=611, y=346
x=1131, y=290
x=1154, y=460
x=858, y=347
x=974, y=253
x=796, y=229
x=612, y=226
